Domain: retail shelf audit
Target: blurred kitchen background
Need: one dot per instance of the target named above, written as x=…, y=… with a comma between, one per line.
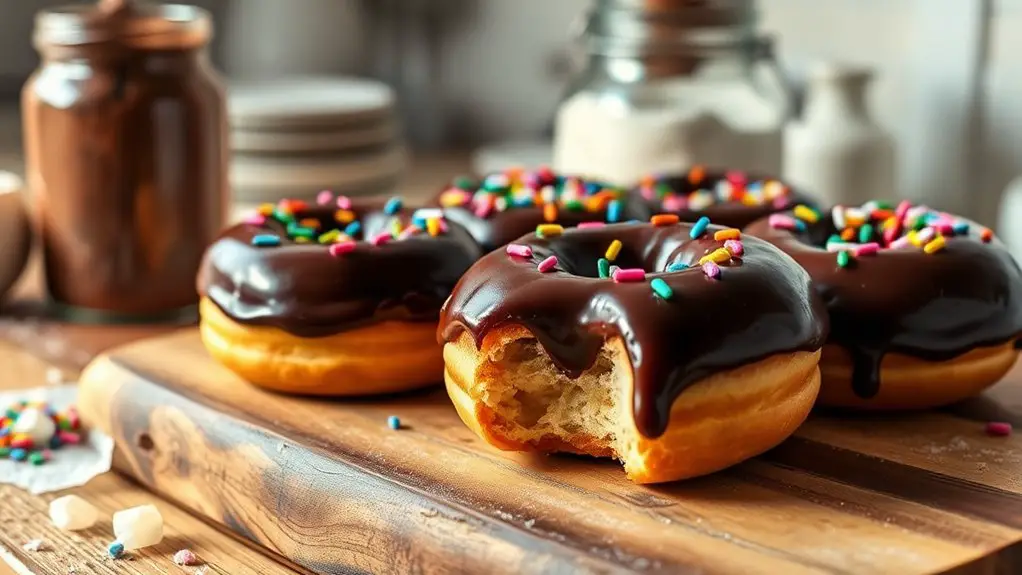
x=471, y=73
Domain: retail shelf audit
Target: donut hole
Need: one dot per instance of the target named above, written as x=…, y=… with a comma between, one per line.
x=581, y=256
x=539, y=405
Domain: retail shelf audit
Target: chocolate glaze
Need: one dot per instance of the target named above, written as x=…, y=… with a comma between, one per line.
x=762, y=305
x=933, y=307
x=733, y=214
x=500, y=228
x=302, y=289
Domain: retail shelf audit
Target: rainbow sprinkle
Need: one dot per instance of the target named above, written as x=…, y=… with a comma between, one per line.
x=699, y=227
x=664, y=220
x=735, y=247
x=661, y=289
x=325, y=197
x=843, y=259
x=392, y=206
x=613, y=250
x=806, y=214
x=712, y=270
x=629, y=275
x=717, y=256
x=603, y=267
x=547, y=264
x=265, y=240
x=677, y=267
x=728, y=234
x=518, y=250
x=549, y=230
x=342, y=248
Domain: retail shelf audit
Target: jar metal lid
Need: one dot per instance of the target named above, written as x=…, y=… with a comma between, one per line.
x=144, y=26
x=617, y=28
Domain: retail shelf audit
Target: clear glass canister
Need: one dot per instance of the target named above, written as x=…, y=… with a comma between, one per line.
x=670, y=84
x=125, y=143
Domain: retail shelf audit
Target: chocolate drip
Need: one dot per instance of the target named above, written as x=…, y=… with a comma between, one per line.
x=865, y=371
x=763, y=305
x=933, y=307
x=302, y=289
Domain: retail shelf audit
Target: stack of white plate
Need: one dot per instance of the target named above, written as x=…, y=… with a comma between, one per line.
x=293, y=137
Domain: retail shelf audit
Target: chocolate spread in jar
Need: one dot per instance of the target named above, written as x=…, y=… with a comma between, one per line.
x=125, y=143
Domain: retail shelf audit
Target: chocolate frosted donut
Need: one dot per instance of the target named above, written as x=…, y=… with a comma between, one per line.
x=308, y=298
x=684, y=311
x=272, y=270
x=504, y=206
x=905, y=281
x=728, y=198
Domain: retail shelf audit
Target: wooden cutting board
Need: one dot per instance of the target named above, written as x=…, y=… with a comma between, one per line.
x=329, y=486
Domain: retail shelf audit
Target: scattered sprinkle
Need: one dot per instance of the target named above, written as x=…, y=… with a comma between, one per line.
x=677, y=267
x=549, y=230
x=394, y=422
x=664, y=220
x=699, y=227
x=843, y=258
x=185, y=557
x=728, y=234
x=547, y=264
x=603, y=267
x=265, y=240
x=115, y=549
x=661, y=289
x=325, y=197
x=735, y=247
x=590, y=225
x=613, y=250
x=342, y=248
x=998, y=428
x=352, y=229
x=381, y=238
x=712, y=270
x=344, y=216
x=986, y=235
x=629, y=275
x=519, y=250
x=344, y=202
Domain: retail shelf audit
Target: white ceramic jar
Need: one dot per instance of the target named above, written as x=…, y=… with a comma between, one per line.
x=836, y=151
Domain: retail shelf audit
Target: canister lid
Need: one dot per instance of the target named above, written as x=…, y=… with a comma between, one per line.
x=141, y=25
x=644, y=27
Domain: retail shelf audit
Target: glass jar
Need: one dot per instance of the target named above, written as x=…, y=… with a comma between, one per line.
x=668, y=85
x=126, y=156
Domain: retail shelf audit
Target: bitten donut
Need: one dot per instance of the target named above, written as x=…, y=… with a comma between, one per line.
x=925, y=307
x=728, y=198
x=678, y=349
x=334, y=299
x=504, y=206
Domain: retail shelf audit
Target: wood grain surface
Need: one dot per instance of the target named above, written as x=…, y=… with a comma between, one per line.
x=24, y=516
x=329, y=486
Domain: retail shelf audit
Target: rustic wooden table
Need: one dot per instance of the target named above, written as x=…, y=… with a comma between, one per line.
x=30, y=347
